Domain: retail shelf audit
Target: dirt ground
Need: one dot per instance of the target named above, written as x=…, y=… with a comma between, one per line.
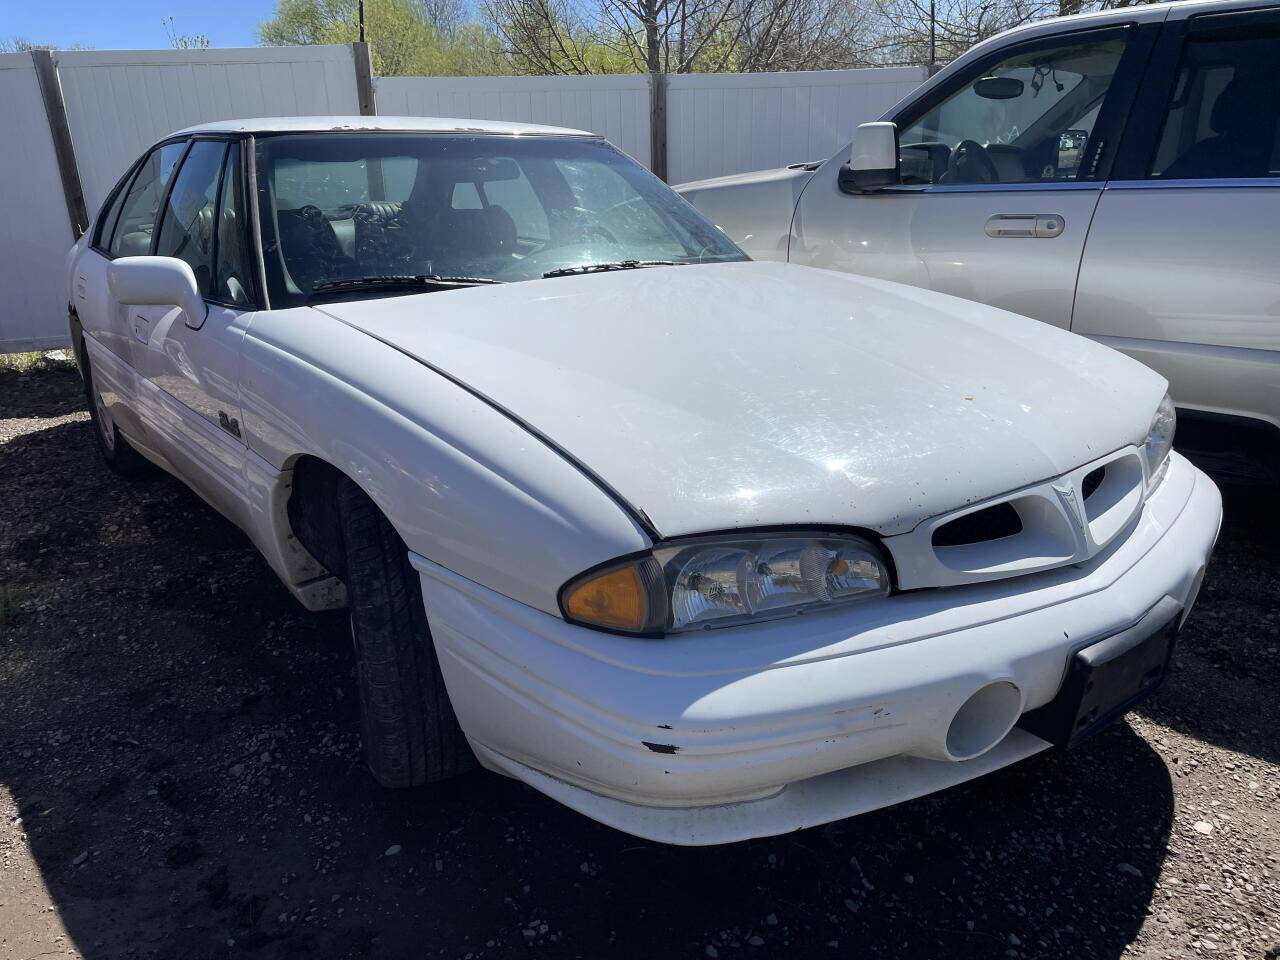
x=180, y=778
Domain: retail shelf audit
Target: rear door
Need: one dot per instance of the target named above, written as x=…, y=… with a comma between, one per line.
x=190, y=366
x=1180, y=269
x=1001, y=168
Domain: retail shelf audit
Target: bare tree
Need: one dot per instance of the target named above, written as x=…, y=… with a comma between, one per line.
x=796, y=35
x=22, y=45
x=679, y=36
x=917, y=31
x=184, y=41
x=545, y=37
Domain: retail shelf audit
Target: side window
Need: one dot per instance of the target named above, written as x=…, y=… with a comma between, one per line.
x=107, y=219
x=517, y=198
x=1221, y=120
x=231, y=279
x=1027, y=119
x=132, y=236
x=466, y=196
x=398, y=176
x=186, y=229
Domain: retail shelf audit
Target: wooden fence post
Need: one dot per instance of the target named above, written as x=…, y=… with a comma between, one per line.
x=55, y=111
x=658, y=125
x=364, y=79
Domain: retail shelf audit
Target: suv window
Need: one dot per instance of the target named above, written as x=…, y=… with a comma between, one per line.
x=1027, y=119
x=132, y=236
x=186, y=231
x=1220, y=121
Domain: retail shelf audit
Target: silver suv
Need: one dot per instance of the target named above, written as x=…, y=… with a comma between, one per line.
x=1117, y=174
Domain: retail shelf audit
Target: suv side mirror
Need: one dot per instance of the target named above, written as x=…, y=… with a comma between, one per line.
x=158, y=281
x=873, y=160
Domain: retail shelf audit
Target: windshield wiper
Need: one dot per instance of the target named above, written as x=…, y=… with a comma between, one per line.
x=606, y=267
x=424, y=281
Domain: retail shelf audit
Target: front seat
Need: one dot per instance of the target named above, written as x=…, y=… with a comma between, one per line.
x=382, y=244
x=1243, y=120
x=311, y=250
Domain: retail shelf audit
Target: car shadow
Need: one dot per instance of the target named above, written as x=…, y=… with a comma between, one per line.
x=1227, y=665
x=180, y=742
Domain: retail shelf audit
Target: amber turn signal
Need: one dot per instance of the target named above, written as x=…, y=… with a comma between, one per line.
x=614, y=599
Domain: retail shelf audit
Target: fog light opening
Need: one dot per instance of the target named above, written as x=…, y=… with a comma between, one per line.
x=983, y=720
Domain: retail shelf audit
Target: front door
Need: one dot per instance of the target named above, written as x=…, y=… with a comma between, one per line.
x=190, y=365
x=1001, y=169
x=123, y=229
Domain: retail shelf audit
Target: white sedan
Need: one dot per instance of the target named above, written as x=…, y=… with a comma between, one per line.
x=703, y=548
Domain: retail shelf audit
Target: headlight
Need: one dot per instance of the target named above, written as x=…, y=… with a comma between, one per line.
x=1159, y=442
x=720, y=581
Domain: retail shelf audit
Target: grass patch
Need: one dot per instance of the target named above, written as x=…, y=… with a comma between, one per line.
x=37, y=361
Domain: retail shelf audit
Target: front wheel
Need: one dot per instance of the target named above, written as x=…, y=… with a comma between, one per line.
x=410, y=733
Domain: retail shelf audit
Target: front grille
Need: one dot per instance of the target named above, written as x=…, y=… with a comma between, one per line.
x=1092, y=480
x=989, y=523
x=1065, y=519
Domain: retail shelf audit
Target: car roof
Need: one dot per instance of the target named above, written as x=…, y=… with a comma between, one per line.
x=399, y=124
x=1138, y=13
x=1129, y=14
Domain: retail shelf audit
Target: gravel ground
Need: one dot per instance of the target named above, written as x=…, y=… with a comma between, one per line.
x=180, y=778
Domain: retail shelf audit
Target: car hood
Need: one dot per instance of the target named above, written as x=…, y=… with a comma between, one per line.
x=797, y=171
x=751, y=394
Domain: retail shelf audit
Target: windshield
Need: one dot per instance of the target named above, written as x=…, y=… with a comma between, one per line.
x=338, y=206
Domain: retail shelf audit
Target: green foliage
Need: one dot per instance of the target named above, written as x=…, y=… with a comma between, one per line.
x=38, y=361
x=402, y=39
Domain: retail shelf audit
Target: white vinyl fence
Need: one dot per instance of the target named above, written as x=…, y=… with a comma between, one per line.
x=99, y=110
x=723, y=123
x=119, y=102
x=615, y=106
x=35, y=233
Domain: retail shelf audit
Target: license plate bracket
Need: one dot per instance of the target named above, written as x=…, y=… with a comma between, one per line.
x=1107, y=678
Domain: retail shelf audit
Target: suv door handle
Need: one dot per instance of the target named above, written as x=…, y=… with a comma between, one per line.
x=1041, y=225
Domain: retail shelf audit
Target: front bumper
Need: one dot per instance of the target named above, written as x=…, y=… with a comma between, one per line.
x=727, y=734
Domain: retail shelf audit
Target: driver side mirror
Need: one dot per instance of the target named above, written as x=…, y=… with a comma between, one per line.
x=158, y=281
x=873, y=159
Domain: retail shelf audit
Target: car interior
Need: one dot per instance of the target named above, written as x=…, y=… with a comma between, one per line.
x=449, y=220
x=1222, y=116
x=1028, y=119
x=356, y=208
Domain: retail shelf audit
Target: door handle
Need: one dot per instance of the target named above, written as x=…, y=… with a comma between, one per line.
x=1031, y=225
x=141, y=328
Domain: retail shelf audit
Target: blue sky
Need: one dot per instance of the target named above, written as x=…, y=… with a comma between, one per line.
x=132, y=24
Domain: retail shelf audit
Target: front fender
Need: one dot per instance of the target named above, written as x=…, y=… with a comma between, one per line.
x=464, y=485
x=753, y=209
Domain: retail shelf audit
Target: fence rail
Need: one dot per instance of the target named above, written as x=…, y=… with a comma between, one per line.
x=74, y=120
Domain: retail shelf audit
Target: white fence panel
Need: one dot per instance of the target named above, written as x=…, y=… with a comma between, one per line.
x=723, y=123
x=119, y=102
x=35, y=233
x=615, y=106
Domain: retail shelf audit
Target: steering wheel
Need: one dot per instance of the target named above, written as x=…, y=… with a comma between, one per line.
x=598, y=230
x=971, y=163
x=618, y=206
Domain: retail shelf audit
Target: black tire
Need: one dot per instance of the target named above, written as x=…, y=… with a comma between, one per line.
x=411, y=736
x=115, y=449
